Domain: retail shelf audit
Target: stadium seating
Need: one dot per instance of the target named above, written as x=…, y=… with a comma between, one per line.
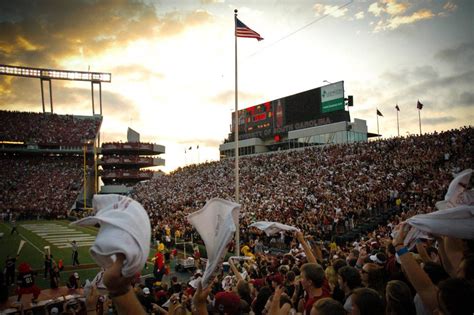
x=46, y=128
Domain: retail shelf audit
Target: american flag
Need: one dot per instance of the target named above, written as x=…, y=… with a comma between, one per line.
x=419, y=105
x=242, y=30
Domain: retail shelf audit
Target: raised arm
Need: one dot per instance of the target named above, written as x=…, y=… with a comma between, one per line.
x=415, y=274
x=307, y=249
x=200, y=299
x=422, y=251
x=120, y=289
x=235, y=270
x=452, y=250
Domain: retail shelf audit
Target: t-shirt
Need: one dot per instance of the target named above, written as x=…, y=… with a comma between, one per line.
x=310, y=301
x=26, y=280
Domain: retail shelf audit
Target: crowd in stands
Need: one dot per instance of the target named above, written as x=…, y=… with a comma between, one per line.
x=324, y=192
x=39, y=186
x=47, y=128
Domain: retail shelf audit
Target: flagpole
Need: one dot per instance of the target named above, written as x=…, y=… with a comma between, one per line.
x=419, y=119
x=398, y=125
x=236, y=139
x=378, y=133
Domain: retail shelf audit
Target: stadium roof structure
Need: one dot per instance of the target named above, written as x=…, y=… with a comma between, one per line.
x=55, y=74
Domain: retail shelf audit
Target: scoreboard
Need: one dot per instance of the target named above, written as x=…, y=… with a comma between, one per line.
x=319, y=106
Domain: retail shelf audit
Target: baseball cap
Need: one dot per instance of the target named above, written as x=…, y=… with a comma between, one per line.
x=379, y=258
x=146, y=291
x=227, y=302
x=277, y=278
x=76, y=275
x=54, y=311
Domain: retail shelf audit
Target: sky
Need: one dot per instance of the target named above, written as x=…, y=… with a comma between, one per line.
x=172, y=62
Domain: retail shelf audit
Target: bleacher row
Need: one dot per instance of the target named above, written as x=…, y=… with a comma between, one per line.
x=46, y=128
x=338, y=193
x=35, y=183
x=325, y=191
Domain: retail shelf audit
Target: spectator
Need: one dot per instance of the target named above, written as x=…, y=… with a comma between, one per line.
x=312, y=279
x=366, y=301
x=399, y=299
x=74, y=281
x=349, y=279
x=328, y=306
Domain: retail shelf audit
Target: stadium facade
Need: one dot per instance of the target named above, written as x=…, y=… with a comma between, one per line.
x=314, y=117
x=125, y=164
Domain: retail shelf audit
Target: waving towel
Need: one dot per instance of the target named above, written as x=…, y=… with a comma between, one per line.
x=216, y=222
x=271, y=228
x=124, y=228
x=457, y=193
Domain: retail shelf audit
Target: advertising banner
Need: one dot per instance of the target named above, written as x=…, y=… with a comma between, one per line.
x=332, y=97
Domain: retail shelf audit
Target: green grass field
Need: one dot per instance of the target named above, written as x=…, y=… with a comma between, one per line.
x=57, y=235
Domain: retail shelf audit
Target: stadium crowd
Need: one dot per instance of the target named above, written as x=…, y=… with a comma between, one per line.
x=39, y=186
x=46, y=128
x=324, y=192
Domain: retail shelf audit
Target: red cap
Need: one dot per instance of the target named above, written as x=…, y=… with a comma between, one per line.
x=277, y=278
x=24, y=267
x=227, y=302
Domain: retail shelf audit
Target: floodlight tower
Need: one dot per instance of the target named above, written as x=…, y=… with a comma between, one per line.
x=47, y=75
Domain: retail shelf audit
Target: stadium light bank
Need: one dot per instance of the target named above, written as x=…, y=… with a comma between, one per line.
x=55, y=74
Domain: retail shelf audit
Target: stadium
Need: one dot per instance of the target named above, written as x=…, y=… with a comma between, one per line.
x=304, y=208
x=345, y=195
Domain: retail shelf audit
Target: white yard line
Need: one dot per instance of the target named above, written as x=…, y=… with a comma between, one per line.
x=28, y=241
x=67, y=236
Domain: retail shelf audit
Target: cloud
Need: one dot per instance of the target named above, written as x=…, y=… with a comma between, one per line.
x=175, y=23
x=397, y=21
x=43, y=34
x=390, y=7
x=391, y=14
x=460, y=56
x=135, y=72
x=228, y=97
x=359, y=15
x=450, y=7
x=466, y=99
x=394, y=8
x=376, y=9
x=411, y=75
x=66, y=98
x=212, y=1
x=332, y=10
x=438, y=120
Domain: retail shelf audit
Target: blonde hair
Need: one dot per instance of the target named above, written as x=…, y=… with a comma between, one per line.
x=331, y=275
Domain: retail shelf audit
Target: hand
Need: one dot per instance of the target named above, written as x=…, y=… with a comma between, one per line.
x=115, y=282
x=299, y=236
x=278, y=292
x=402, y=230
x=200, y=296
x=91, y=300
x=174, y=303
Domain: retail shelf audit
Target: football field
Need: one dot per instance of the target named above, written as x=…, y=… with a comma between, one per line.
x=58, y=235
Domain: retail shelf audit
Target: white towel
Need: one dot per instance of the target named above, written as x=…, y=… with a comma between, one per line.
x=457, y=193
x=271, y=228
x=216, y=223
x=124, y=228
x=456, y=222
x=454, y=218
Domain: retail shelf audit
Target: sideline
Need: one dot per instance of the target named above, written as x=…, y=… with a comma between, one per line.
x=27, y=240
